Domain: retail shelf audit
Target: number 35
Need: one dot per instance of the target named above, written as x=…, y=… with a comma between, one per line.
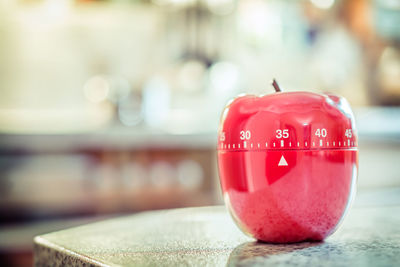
x=282, y=133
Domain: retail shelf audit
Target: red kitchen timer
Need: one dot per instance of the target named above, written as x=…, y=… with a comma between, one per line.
x=288, y=164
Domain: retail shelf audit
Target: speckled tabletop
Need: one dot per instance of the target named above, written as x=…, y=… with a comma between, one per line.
x=369, y=236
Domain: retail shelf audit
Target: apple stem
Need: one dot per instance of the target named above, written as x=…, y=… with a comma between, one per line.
x=276, y=86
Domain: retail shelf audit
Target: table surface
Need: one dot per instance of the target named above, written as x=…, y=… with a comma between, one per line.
x=207, y=236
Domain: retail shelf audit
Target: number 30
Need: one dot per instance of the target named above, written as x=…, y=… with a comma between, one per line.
x=245, y=135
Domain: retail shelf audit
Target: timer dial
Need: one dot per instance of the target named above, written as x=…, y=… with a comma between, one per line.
x=304, y=121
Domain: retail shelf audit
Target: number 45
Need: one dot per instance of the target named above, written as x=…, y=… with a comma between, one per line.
x=348, y=133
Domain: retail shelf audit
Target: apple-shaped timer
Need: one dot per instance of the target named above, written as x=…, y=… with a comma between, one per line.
x=288, y=164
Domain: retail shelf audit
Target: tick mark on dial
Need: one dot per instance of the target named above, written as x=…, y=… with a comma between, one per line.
x=266, y=144
x=273, y=144
x=233, y=145
x=282, y=143
x=258, y=145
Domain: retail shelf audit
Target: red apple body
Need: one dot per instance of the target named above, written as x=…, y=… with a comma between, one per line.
x=288, y=164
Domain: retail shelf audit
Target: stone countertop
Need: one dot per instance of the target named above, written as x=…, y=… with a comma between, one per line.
x=207, y=236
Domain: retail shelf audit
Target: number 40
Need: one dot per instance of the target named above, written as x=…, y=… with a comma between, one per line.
x=321, y=132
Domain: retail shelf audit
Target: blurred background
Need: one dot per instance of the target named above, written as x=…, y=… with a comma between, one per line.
x=112, y=107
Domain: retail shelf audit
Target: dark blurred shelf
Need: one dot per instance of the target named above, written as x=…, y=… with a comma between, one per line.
x=377, y=124
x=118, y=138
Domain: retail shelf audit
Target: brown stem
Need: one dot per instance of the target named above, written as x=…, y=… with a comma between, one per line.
x=276, y=86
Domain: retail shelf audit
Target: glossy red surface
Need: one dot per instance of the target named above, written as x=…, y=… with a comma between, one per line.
x=288, y=164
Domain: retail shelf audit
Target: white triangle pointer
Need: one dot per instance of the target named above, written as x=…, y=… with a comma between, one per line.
x=282, y=162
